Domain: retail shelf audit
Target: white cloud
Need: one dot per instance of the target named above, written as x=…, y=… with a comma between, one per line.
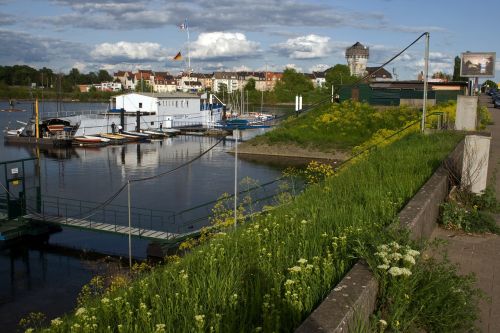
x=81, y=66
x=305, y=47
x=293, y=66
x=223, y=45
x=319, y=68
x=241, y=68
x=126, y=51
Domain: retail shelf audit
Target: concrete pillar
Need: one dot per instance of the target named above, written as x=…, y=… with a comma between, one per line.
x=475, y=163
x=466, y=116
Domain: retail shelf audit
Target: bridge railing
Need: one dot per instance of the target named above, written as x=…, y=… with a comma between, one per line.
x=93, y=212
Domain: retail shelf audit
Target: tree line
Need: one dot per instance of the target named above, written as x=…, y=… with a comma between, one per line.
x=23, y=75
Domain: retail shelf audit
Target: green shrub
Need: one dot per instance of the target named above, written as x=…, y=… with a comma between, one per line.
x=422, y=294
x=470, y=212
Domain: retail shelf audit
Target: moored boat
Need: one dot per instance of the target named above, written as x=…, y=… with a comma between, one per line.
x=97, y=137
x=85, y=139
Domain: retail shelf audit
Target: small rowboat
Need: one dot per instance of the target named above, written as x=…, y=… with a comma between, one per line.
x=84, y=139
x=140, y=135
x=111, y=136
x=97, y=137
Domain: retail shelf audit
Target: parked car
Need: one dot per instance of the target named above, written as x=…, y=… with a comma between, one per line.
x=496, y=103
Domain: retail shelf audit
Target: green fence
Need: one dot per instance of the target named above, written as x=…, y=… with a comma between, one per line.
x=393, y=96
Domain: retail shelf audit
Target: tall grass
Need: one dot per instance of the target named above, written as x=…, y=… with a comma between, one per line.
x=340, y=126
x=270, y=273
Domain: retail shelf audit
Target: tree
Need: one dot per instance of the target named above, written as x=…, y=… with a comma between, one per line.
x=339, y=75
x=490, y=84
x=250, y=86
x=222, y=91
x=456, y=71
x=443, y=76
x=291, y=84
x=103, y=76
x=142, y=86
x=74, y=76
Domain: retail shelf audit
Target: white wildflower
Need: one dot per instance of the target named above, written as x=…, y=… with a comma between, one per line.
x=395, y=271
x=405, y=272
x=56, y=322
x=295, y=269
x=409, y=259
x=384, y=267
x=302, y=261
x=412, y=253
x=395, y=256
x=80, y=311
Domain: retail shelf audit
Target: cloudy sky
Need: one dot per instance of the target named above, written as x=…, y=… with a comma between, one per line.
x=241, y=34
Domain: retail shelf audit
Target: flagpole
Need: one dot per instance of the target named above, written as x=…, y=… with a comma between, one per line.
x=189, y=47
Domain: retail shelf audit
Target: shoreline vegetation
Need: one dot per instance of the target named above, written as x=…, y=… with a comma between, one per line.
x=270, y=272
x=276, y=267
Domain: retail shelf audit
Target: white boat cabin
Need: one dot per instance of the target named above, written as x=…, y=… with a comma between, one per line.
x=156, y=110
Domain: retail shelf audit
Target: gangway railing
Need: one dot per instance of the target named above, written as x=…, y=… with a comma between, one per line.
x=117, y=215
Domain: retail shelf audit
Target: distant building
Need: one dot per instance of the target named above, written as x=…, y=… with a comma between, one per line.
x=357, y=58
x=103, y=86
x=318, y=79
x=164, y=83
x=126, y=78
x=229, y=79
x=376, y=74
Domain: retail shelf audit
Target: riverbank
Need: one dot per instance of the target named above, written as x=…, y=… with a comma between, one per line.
x=289, y=150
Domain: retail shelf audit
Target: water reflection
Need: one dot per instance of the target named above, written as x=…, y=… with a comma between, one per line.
x=36, y=279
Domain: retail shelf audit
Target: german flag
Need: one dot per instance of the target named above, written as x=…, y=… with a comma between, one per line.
x=177, y=57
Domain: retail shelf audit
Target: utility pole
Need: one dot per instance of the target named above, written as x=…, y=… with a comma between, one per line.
x=129, y=228
x=236, y=132
x=426, y=78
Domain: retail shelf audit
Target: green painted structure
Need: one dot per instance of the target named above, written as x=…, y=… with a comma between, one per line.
x=395, y=93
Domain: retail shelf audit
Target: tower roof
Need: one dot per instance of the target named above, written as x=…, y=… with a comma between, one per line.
x=357, y=49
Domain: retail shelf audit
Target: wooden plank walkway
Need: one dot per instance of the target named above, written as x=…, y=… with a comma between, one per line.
x=97, y=226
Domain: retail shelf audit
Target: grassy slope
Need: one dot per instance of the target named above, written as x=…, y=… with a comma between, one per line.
x=338, y=126
x=255, y=277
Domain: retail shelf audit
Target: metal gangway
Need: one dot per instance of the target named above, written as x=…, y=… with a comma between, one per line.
x=146, y=223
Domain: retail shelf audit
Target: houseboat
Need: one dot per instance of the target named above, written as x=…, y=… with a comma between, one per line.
x=151, y=111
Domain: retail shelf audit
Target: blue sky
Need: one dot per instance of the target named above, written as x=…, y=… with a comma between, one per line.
x=241, y=35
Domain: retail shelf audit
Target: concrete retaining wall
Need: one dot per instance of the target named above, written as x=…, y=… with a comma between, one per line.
x=353, y=300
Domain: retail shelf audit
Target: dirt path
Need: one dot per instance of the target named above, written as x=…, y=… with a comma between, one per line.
x=287, y=150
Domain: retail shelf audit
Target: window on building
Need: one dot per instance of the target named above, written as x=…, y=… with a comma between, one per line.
x=187, y=104
x=140, y=105
x=152, y=123
x=176, y=104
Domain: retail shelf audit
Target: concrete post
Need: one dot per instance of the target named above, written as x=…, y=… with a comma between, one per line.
x=475, y=163
x=466, y=117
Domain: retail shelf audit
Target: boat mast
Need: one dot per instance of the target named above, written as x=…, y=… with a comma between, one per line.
x=189, y=47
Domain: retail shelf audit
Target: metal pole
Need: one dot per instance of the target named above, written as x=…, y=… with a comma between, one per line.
x=129, y=228
x=426, y=77
x=236, y=133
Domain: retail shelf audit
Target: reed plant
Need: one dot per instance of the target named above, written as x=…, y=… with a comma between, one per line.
x=270, y=273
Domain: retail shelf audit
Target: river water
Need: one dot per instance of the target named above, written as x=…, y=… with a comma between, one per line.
x=48, y=278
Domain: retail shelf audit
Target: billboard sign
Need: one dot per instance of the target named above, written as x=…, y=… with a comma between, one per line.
x=478, y=64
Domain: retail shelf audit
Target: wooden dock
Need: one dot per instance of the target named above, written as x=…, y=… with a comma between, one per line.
x=105, y=227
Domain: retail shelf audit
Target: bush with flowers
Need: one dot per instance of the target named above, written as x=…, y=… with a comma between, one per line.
x=419, y=293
